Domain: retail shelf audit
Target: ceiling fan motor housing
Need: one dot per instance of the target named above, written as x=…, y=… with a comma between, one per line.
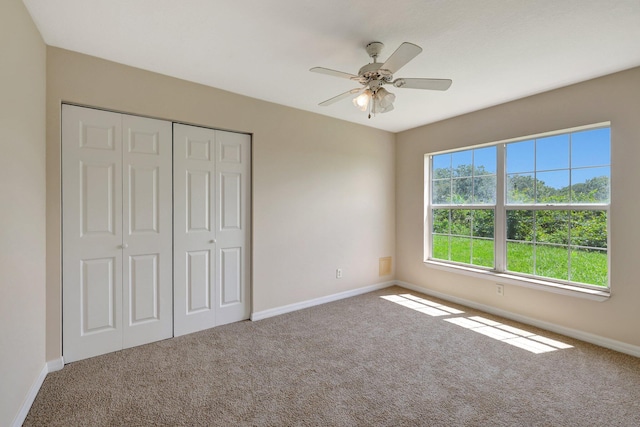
x=373, y=71
x=374, y=49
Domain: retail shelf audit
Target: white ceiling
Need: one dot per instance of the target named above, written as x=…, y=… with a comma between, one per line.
x=494, y=50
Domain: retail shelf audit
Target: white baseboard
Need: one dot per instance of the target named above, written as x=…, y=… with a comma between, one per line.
x=50, y=366
x=55, y=365
x=29, y=398
x=620, y=346
x=259, y=315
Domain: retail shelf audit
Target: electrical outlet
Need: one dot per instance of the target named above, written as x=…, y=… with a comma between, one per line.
x=500, y=289
x=339, y=273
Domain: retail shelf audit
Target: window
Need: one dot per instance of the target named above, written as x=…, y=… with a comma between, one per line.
x=464, y=198
x=535, y=207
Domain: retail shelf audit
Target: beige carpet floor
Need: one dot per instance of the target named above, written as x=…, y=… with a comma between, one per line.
x=362, y=361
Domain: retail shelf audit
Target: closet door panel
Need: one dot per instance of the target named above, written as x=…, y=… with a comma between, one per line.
x=194, y=234
x=233, y=156
x=231, y=292
x=198, y=201
x=144, y=196
x=97, y=198
x=98, y=295
x=91, y=232
x=144, y=289
x=198, y=284
x=147, y=224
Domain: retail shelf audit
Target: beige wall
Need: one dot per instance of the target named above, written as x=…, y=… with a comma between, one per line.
x=614, y=98
x=22, y=211
x=323, y=189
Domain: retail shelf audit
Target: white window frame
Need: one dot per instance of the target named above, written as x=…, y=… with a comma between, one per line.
x=499, y=273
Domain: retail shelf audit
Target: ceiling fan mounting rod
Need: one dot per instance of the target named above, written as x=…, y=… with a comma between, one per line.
x=374, y=49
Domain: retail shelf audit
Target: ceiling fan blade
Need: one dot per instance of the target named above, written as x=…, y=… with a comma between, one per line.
x=405, y=53
x=334, y=73
x=342, y=96
x=428, y=84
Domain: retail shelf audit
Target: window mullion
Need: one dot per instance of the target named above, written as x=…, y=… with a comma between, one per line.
x=499, y=236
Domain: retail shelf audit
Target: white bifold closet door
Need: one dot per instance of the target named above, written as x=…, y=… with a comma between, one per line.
x=117, y=231
x=211, y=227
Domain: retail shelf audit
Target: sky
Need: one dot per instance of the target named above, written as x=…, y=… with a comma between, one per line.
x=584, y=155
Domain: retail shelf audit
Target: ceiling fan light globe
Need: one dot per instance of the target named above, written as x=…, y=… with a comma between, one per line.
x=361, y=101
x=379, y=109
x=387, y=109
x=384, y=98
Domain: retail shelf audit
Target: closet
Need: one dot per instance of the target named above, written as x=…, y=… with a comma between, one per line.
x=155, y=238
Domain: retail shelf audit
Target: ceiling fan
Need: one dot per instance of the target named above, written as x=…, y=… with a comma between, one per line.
x=375, y=75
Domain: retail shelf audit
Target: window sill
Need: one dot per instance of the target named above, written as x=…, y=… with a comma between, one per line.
x=510, y=279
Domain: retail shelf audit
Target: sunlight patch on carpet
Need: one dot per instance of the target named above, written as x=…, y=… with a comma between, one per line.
x=422, y=305
x=508, y=334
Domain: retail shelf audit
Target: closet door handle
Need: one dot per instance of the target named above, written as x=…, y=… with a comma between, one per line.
x=124, y=246
x=212, y=241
